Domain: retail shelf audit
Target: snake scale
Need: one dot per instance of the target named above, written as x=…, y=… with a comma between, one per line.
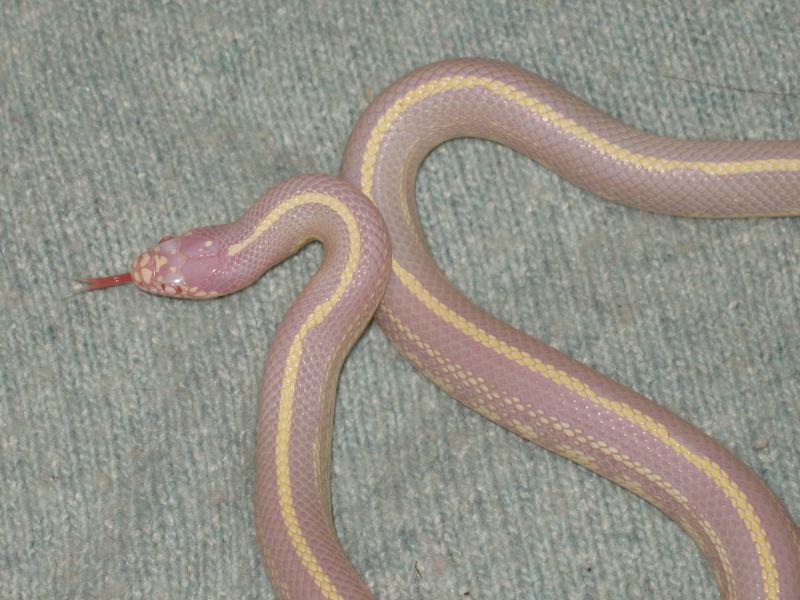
x=516, y=381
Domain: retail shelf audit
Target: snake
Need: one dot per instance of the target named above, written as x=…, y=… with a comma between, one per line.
x=377, y=265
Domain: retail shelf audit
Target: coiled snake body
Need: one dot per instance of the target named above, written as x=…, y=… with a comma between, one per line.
x=514, y=380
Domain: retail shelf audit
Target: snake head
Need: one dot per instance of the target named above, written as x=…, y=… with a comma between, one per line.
x=192, y=265
x=186, y=266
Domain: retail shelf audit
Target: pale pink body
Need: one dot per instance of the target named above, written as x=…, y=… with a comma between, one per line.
x=524, y=385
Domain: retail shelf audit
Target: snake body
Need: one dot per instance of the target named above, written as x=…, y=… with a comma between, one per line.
x=516, y=381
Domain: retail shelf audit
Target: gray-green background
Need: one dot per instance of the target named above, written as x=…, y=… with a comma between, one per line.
x=127, y=422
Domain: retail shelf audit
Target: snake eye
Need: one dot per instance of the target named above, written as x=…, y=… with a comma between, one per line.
x=165, y=238
x=170, y=289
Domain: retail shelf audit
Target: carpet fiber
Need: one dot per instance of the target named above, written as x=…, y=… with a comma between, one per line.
x=127, y=422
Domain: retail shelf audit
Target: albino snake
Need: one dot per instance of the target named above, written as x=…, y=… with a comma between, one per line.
x=746, y=534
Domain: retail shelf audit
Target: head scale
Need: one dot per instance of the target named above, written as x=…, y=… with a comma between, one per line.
x=184, y=267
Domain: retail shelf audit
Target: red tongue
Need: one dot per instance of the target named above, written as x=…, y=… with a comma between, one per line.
x=98, y=283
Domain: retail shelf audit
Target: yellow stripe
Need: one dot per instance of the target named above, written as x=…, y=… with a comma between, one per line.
x=482, y=403
x=712, y=470
x=290, y=372
x=549, y=114
x=567, y=125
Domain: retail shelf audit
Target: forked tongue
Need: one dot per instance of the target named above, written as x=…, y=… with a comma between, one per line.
x=98, y=283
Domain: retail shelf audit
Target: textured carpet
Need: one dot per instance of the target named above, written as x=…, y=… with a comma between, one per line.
x=127, y=422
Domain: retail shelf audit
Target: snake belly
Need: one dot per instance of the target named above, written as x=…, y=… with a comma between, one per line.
x=512, y=379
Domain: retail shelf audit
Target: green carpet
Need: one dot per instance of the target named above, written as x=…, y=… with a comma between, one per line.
x=127, y=422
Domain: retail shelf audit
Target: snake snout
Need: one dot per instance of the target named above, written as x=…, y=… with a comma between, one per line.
x=181, y=267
